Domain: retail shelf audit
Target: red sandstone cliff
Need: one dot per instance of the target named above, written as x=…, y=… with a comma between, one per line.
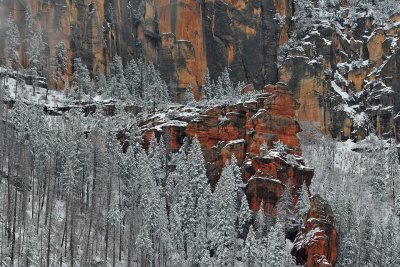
x=240, y=130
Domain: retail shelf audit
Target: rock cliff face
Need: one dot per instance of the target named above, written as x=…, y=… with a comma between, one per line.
x=241, y=130
x=346, y=76
x=182, y=37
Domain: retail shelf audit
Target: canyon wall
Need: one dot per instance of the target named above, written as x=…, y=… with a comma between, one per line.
x=182, y=37
x=344, y=74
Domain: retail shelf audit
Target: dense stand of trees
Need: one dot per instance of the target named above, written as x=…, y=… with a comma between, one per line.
x=363, y=188
x=71, y=197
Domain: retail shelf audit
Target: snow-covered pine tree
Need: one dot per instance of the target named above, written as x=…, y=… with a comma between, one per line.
x=244, y=216
x=158, y=159
x=177, y=253
x=252, y=252
x=61, y=59
x=117, y=80
x=155, y=90
x=12, y=44
x=366, y=242
x=101, y=83
x=189, y=98
x=285, y=208
x=393, y=172
x=134, y=75
x=224, y=86
x=192, y=194
x=239, y=185
x=29, y=28
x=223, y=234
x=378, y=172
x=200, y=243
x=35, y=50
x=276, y=244
x=303, y=204
x=350, y=249
x=81, y=81
x=260, y=223
x=153, y=213
x=208, y=87
x=20, y=120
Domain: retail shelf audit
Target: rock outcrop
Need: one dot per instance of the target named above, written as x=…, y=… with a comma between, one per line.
x=315, y=245
x=248, y=130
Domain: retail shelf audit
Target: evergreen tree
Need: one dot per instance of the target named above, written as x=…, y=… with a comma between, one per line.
x=155, y=90
x=82, y=84
x=199, y=247
x=260, y=223
x=158, y=158
x=238, y=183
x=224, y=218
x=12, y=44
x=350, y=250
x=20, y=119
x=393, y=171
x=244, y=215
x=378, y=173
x=303, y=204
x=224, y=86
x=252, y=254
x=61, y=59
x=189, y=98
x=118, y=82
x=101, y=83
x=366, y=241
x=29, y=28
x=35, y=50
x=134, y=74
x=177, y=255
x=284, y=208
x=208, y=87
x=192, y=194
x=149, y=207
x=276, y=245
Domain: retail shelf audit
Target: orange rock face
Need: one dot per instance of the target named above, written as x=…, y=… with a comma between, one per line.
x=308, y=82
x=316, y=245
x=82, y=26
x=375, y=48
x=183, y=18
x=241, y=130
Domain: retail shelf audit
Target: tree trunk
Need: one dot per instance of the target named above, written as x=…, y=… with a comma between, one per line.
x=14, y=226
x=49, y=202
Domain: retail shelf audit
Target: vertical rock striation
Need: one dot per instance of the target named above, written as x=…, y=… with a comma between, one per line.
x=182, y=37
